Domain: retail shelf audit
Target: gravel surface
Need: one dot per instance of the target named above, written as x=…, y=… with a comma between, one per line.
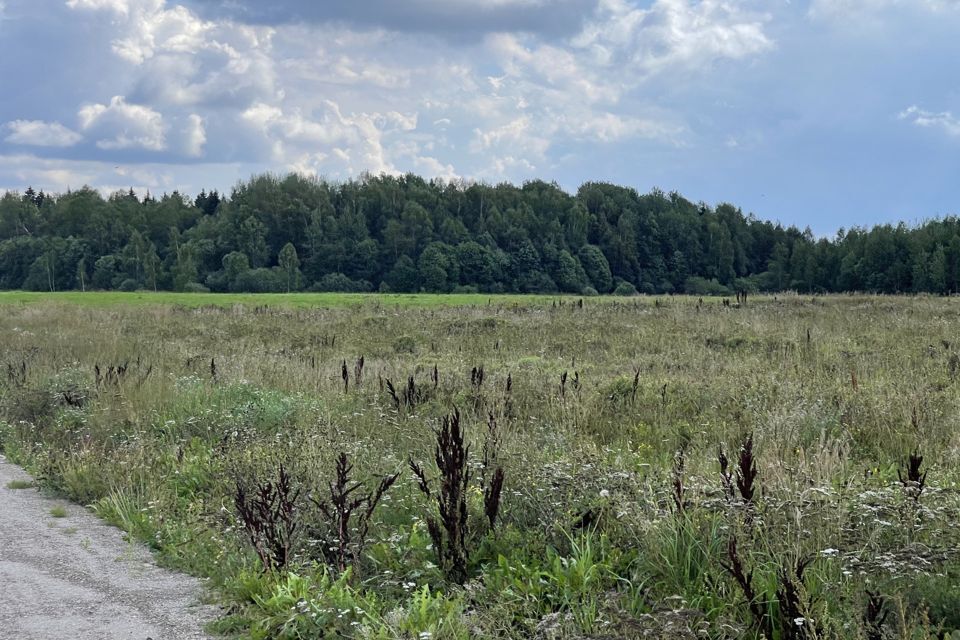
x=76, y=578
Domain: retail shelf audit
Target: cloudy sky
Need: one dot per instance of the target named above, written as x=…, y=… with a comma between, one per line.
x=825, y=113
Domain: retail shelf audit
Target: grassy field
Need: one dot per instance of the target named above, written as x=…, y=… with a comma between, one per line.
x=629, y=468
x=307, y=300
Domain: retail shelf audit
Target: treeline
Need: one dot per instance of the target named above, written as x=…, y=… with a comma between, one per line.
x=404, y=234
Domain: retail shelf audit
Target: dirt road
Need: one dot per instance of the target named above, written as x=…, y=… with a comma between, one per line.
x=75, y=578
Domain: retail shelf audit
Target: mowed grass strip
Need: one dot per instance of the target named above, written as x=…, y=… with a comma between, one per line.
x=289, y=300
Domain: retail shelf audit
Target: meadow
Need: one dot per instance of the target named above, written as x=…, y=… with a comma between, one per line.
x=348, y=466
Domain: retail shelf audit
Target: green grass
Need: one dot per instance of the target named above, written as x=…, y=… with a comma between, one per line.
x=330, y=300
x=20, y=484
x=837, y=391
x=58, y=511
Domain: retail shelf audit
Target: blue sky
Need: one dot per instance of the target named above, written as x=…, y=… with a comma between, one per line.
x=820, y=113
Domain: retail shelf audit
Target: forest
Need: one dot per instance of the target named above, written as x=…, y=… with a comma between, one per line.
x=405, y=234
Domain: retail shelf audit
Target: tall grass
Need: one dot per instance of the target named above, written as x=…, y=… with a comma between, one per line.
x=818, y=444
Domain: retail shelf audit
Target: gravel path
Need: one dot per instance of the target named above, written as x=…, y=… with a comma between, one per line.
x=75, y=577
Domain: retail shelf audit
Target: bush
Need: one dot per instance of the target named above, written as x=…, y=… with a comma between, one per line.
x=340, y=283
x=750, y=285
x=405, y=344
x=536, y=282
x=129, y=285
x=195, y=287
x=218, y=281
x=261, y=281
x=589, y=291
x=624, y=288
x=666, y=287
x=697, y=286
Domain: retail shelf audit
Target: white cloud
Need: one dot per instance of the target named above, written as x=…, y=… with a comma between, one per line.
x=157, y=29
x=847, y=9
x=357, y=139
x=41, y=134
x=673, y=35
x=553, y=67
x=403, y=122
x=126, y=125
x=432, y=168
x=55, y=175
x=49, y=175
x=521, y=130
x=326, y=98
x=342, y=68
x=196, y=136
x=944, y=121
x=185, y=60
x=149, y=178
x=501, y=166
x=119, y=6
x=608, y=127
x=594, y=87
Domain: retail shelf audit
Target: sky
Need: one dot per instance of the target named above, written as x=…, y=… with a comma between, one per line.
x=819, y=113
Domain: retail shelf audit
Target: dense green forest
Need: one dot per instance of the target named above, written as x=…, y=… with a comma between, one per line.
x=404, y=234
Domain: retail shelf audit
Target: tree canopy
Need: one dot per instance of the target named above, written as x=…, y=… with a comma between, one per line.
x=405, y=234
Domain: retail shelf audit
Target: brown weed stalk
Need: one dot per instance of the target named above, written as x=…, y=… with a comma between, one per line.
x=915, y=480
x=358, y=371
x=269, y=516
x=492, y=486
x=449, y=531
x=679, y=491
x=348, y=502
x=795, y=623
x=874, y=615
x=726, y=476
x=735, y=566
x=747, y=471
x=476, y=377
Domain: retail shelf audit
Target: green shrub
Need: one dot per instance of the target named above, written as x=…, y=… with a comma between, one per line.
x=573, y=583
x=939, y=596
x=294, y=606
x=426, y=614
x=195, y=287
x=405, y=344
x=697, y=286
x=29, y=405
x=339, y=283
x=261, y=281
